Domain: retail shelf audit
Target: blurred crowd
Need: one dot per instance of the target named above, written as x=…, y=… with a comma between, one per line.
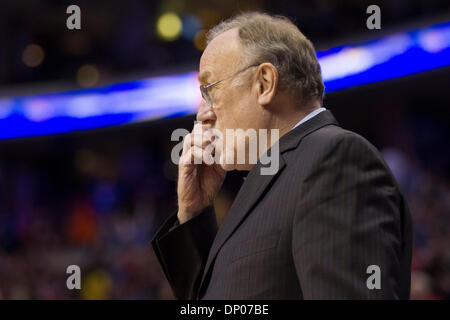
x=428, y=197
x=100, y=215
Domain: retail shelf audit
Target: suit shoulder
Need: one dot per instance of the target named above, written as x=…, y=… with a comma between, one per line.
x=333, y=147
x=342, y=145
x=336, y=137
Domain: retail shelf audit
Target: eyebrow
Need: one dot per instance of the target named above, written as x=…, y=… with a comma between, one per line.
x=203, y=77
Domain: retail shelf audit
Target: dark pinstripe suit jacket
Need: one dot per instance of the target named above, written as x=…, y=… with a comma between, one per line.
x=310, y=231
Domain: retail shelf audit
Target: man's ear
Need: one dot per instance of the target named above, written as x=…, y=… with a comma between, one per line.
x=267, y=82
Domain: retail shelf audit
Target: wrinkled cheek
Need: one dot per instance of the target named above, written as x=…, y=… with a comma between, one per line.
x=224, y=152
x=229, y=147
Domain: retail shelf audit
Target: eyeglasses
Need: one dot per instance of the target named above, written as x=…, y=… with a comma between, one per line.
x=204, y=88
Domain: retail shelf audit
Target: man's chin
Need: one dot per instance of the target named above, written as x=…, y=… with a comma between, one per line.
x=228, y=167
x=238, y=167
x=231, y=165
x=220, y=158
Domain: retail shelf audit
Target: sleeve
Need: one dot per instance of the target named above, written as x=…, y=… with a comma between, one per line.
x=182, y=250
x=347, y=238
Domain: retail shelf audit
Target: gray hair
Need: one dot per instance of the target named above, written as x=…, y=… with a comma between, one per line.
x=275, y=39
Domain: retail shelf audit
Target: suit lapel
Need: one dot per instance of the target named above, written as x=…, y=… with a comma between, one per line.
x=255, y=184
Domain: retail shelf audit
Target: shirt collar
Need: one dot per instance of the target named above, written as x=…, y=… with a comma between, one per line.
x=309, y=116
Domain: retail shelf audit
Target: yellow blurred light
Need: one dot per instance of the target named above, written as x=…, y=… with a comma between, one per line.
x=87, y=76
x=169, y=26
x=200, y=40
x=97, y=286
x=33, y=55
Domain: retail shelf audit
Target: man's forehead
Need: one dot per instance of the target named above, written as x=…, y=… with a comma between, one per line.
x=220, y=55
x=203, y=77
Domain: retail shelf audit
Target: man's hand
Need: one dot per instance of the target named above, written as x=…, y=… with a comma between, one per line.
x=199, y=178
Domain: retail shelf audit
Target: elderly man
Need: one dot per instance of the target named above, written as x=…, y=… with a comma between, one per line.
x=330, y=223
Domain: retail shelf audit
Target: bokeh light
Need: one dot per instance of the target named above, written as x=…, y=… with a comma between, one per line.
x=88, y=76
x=191, y=25
x=169, y=26
x=33, y=55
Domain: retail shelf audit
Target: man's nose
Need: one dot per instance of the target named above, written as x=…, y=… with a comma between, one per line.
x=205, y=113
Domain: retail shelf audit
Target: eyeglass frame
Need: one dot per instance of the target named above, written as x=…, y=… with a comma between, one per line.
x=204, y=88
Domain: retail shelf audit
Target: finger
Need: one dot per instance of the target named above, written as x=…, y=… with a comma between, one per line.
x=201, y=137
x=186, y=143
x=201, y=141
x=197, y=155
x=200, y=127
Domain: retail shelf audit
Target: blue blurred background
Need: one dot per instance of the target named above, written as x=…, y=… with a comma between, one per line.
x=86, y=118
